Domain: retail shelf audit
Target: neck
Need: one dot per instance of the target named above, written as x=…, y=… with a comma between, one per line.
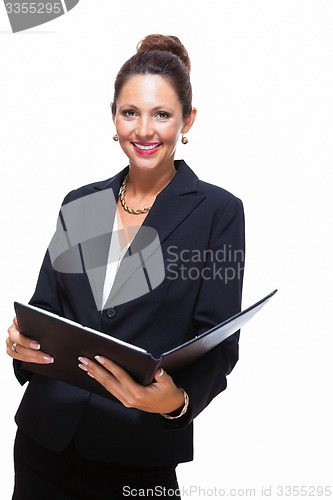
x=146, y=182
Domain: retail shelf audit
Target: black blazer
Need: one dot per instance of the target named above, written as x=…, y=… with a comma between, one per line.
x=201, y=230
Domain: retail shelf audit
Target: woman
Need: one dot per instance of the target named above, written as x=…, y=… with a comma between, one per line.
x=74, y=444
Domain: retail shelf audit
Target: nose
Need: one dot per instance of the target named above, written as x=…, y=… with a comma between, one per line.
x=145, y=129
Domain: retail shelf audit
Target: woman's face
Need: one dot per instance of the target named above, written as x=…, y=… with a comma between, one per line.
x=149, y=121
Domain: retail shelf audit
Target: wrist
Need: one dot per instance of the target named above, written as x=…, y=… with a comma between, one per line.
x=182, y=409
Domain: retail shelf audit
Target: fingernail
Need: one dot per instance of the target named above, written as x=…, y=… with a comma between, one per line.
x=83, y=360
x=34, y=345
x=100, y=359
x=48, y=359
x=161, y=372
x=90, y=375
x=83, y=367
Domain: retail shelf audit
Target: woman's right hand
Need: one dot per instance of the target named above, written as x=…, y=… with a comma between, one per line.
x=25, y=349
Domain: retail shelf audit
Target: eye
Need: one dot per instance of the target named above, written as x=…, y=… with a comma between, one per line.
x=163, y=115
x=128, y=113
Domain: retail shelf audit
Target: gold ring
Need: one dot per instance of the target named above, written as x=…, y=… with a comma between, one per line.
x=14, y=347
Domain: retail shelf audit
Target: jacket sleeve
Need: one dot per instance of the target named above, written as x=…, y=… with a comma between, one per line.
x=219, y=298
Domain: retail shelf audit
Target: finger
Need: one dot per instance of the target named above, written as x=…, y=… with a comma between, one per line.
x=146, y=398
x=119, y=373
x=22, y=353
x=126, y=390
x=130, y=393
x=16, y=336
x=93, y=368
x=97, y=372
x=25, y=349
x=161, y=377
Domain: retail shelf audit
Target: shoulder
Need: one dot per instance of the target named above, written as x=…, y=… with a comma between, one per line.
x=221, y=206
x=87, y=189
x=216, y=194
x=95, y=187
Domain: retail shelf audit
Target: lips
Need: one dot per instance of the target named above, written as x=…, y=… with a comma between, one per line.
x=146, y=148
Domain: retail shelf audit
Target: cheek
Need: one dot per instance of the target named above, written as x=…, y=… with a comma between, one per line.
x=170, y=134
x=123, y=128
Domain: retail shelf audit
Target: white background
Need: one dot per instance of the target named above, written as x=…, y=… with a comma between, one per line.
x=262, y=79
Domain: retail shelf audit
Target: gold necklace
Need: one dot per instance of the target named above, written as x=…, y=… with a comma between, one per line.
x=124, y=204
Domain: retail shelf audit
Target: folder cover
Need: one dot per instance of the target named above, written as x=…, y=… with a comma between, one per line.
x=65, y=340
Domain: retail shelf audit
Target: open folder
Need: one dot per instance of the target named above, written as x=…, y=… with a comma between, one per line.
x=65, y=340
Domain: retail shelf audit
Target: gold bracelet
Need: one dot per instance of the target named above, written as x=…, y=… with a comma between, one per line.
x=184, y=410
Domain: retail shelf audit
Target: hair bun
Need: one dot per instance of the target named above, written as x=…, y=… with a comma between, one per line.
x=165, y=43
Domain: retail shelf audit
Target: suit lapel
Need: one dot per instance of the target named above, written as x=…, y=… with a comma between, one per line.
x=174, y=203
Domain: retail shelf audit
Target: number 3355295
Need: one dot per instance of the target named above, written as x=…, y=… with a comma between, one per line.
x=33, y=8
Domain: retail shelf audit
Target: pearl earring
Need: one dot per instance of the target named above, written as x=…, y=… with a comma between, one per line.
x=116, y=138
x=184, y=140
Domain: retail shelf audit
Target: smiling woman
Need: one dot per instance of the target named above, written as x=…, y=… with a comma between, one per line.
x=152, y=107
x=70, y=443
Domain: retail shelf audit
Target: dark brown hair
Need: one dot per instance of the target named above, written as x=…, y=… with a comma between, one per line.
x=159, y=55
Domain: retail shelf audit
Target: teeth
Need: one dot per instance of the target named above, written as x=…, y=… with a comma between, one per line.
x=140, y=146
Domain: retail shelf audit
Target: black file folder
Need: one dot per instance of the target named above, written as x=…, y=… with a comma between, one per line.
x=65, y=340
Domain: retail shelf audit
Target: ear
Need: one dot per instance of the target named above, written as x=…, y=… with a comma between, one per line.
x=113, y=117
x=189, y=121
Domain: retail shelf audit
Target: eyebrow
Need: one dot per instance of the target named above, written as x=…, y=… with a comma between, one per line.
x=155, y=108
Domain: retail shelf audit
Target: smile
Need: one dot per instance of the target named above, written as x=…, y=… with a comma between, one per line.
x=146, y=148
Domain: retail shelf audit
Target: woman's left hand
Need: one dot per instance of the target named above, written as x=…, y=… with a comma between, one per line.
x=162, y=396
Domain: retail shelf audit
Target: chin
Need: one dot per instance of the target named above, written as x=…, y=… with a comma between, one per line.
x=145, y=163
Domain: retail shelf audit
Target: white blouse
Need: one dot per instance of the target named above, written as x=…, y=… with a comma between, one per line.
x=116, y=252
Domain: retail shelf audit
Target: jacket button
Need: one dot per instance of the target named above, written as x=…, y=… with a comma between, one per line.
x=111, y=312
